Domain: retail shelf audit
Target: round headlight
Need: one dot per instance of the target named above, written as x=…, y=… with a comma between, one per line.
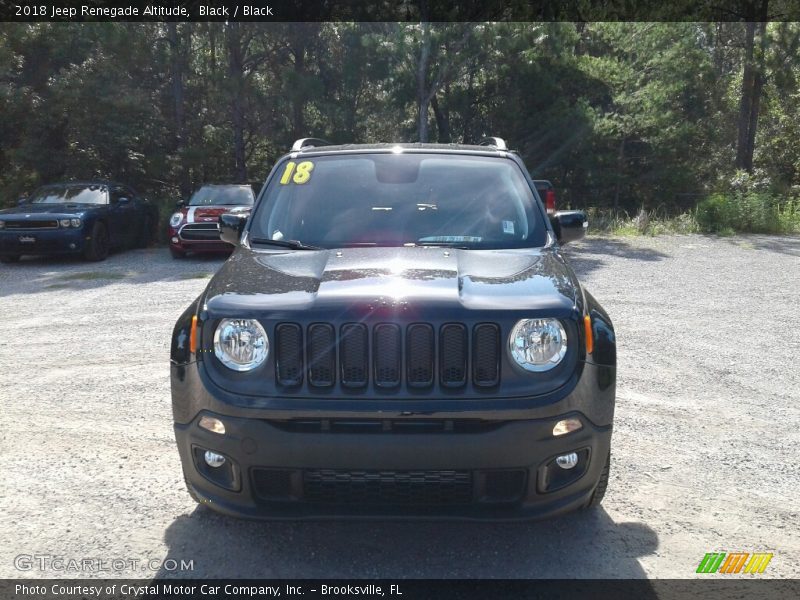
x=64, y=222
x=2, y=224
x=75, y=222
x=538, y=344
x=176, y=219
x=241, y=344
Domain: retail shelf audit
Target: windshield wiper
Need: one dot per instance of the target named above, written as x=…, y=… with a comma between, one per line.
x=456, y=245
x=293, y=244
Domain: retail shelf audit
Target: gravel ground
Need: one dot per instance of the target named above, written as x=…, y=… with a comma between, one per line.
x=704, y=451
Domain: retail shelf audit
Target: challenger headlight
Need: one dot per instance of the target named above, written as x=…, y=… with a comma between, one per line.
x=2, y=224
x=538, y=344
x=176, y=219
x=75, y=222
x=241, y=344
x=64, y=222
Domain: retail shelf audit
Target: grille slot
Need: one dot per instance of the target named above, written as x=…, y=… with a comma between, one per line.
x=354, y=355
x=403, y=488
x=486, y=355
x=387, y=355
x=453, y=344
x=420, y=353
x=321, y=355
x=289, y=363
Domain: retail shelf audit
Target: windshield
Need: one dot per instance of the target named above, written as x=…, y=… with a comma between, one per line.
x=223, y=195
x=71, y=194
x=400, y=200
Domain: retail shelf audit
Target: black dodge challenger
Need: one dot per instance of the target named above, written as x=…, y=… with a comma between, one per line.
x=396, y=333
x=88, y=219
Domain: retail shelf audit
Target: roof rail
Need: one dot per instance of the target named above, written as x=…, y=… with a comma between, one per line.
x=308, y=143
x=497, y=142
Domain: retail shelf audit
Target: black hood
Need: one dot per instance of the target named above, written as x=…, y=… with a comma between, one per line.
x=257, y=282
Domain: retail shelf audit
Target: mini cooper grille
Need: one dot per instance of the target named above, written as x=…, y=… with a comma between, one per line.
x=434, y=488
x=389, y=354
x=33, y=224
x=200, y=231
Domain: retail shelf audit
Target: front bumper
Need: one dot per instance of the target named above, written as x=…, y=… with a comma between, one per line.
x=45, y=241
x=312, y=462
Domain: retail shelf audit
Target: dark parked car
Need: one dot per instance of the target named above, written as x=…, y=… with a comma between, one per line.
x=195, y=225
x=89, y=218
x=397, y=332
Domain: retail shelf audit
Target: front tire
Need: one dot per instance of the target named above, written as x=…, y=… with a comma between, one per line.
x=97, y=248
x=10, y=258
x=602, y=486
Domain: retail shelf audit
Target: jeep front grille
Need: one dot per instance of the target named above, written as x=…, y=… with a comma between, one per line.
x=388, y=356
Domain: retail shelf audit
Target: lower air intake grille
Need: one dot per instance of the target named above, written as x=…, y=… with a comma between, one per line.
x=435, y=488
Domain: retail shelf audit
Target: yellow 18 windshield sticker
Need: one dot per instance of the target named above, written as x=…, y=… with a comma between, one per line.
x=298, y=174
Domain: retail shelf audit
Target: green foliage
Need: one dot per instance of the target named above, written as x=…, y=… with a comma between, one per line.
x=628, y=118
x=750, y=212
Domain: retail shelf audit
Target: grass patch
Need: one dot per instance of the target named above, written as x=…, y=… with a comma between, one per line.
x=645, y=223
x=749, y=212
x=195, y=275
x=92, y=276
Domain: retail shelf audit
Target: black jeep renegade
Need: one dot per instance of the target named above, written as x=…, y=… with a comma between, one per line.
x=396, y=333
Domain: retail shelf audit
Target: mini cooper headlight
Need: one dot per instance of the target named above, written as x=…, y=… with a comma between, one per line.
x=176, y=219
x=241, y=344
x=538, y=344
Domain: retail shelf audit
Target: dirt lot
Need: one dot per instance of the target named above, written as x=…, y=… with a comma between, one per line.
x=704, y=454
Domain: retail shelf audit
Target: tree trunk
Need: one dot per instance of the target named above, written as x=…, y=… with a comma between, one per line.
x=236, y=77
x=423, y=96
x=752, y=85
x=299, y=52
x=746, y=100
x=758, y=86
x=442, y=122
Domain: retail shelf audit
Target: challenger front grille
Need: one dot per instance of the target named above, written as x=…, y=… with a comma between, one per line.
x=32, y=224
x=388, y=356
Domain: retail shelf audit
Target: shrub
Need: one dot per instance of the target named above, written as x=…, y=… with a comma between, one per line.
x=749, y=212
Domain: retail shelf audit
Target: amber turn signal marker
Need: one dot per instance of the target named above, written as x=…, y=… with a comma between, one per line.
x=587, y=329
x=193, y=336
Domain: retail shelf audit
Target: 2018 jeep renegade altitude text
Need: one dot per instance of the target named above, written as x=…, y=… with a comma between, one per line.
x=396, y=333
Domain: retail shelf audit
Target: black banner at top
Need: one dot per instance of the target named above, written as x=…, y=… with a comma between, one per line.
x=398, y=10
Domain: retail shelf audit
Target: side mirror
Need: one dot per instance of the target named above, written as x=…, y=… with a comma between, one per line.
x=180, y=204
x=123, y=200
x=569, y=225
x=231, y=228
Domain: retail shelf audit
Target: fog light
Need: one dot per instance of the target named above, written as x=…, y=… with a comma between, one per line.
x=212, y=424
x=565, y=461
x=175, y=240
x=217, y=460
x=566, y=426
x=72, y=246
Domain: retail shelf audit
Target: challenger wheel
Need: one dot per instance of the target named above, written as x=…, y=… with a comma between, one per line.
x=97, y=247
